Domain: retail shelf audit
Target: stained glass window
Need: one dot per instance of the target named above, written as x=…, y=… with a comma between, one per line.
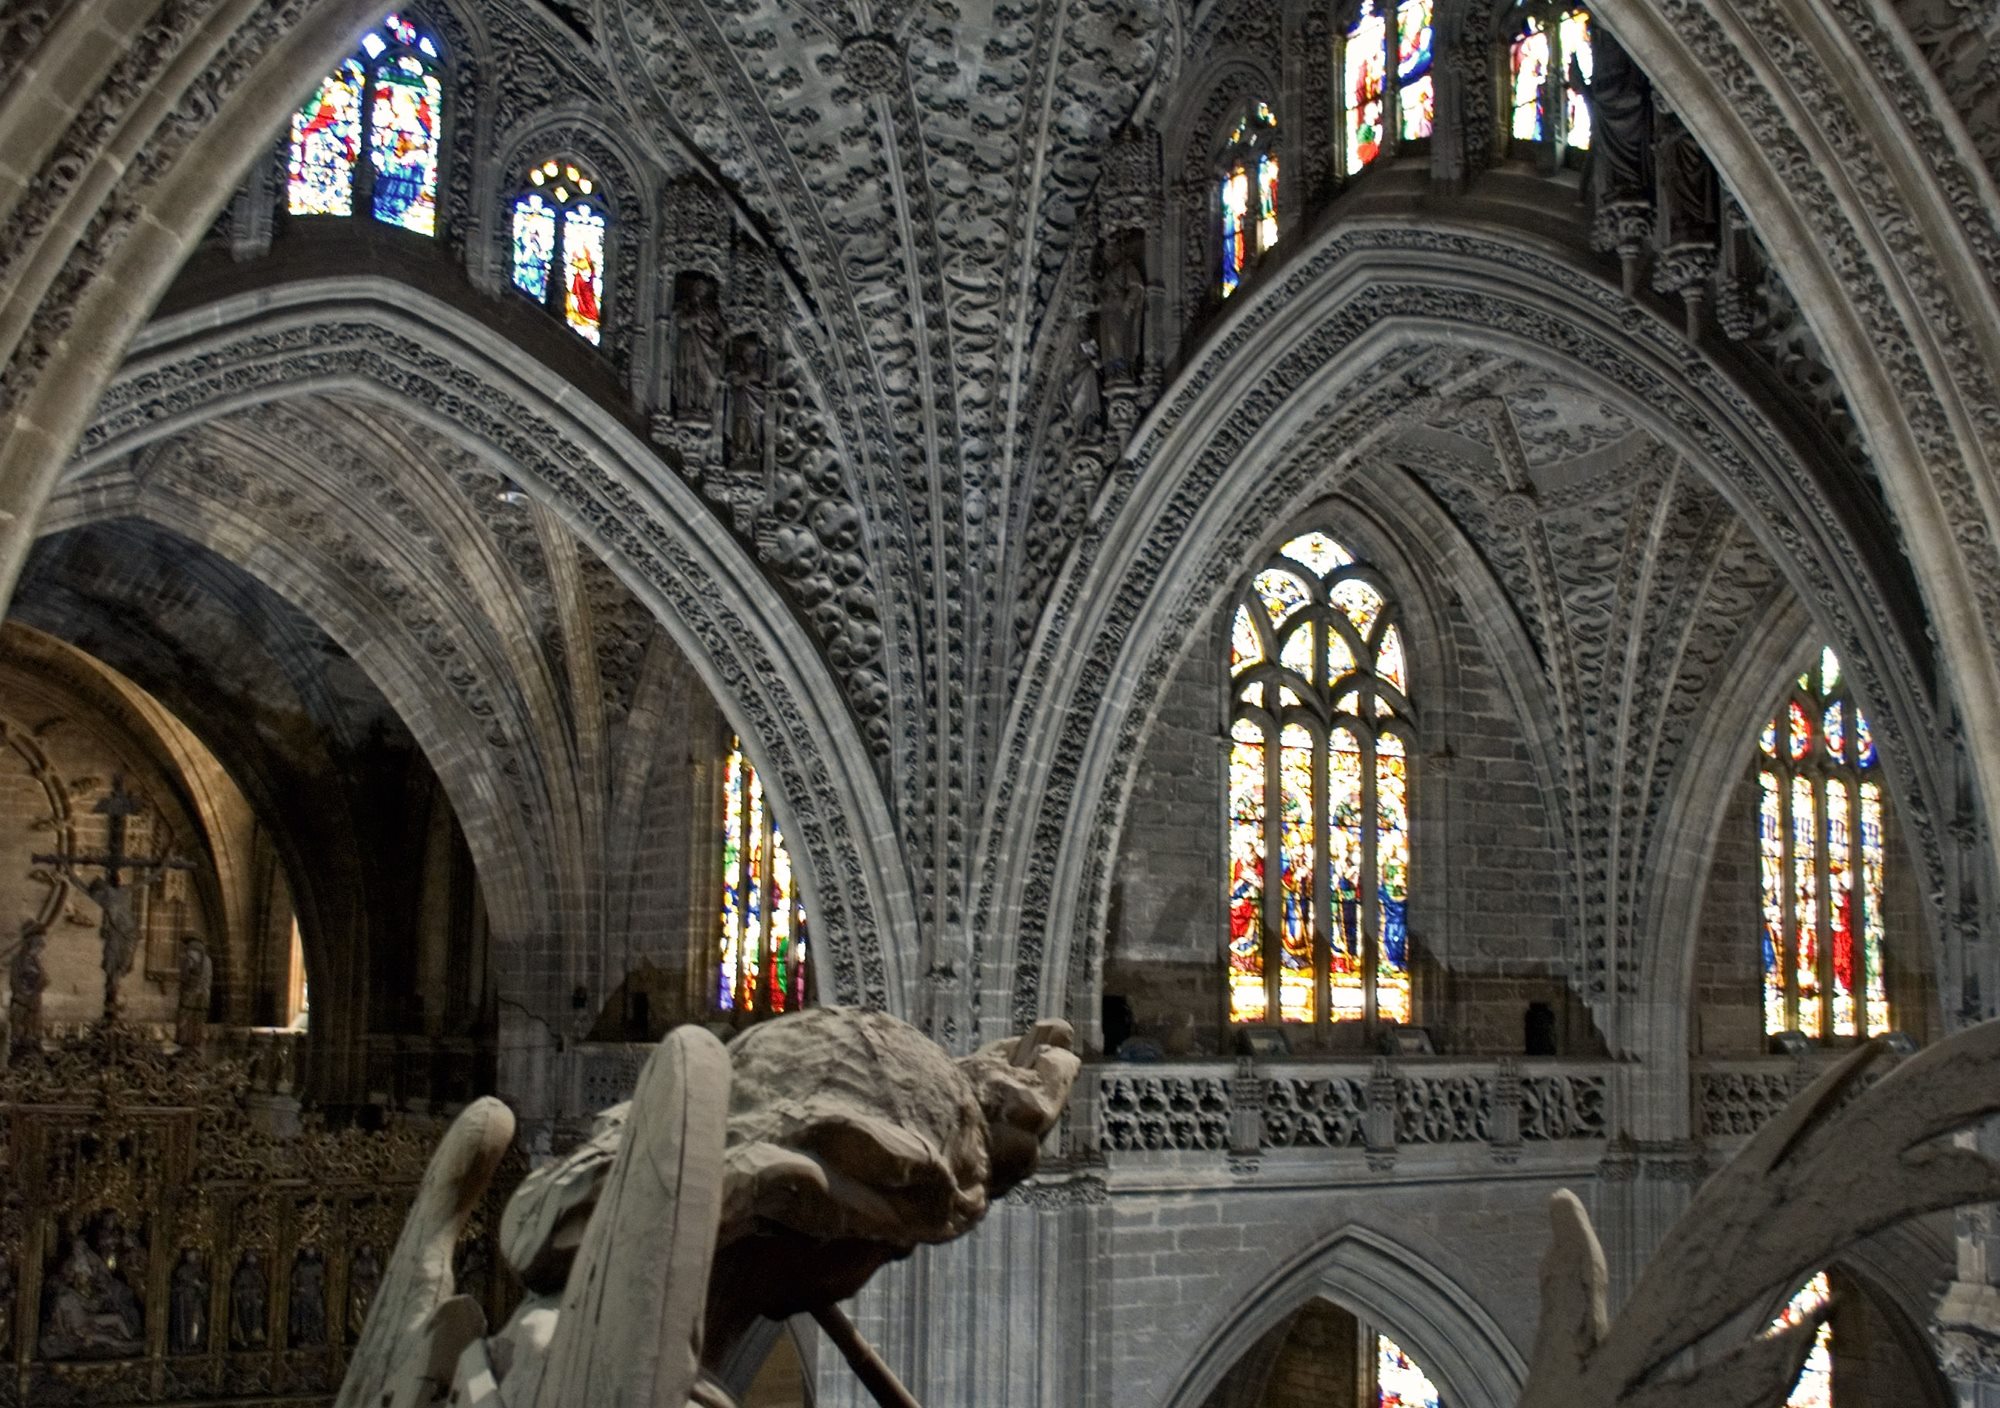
x=560, y=202
x=1549, y=66
x=326, y=140
x=1814, y=1388
x=1416, y=98
x=1821, y=862
x=389, y=102
x=762, y=964
x=1378, y=96
x=1399, y=1383
x=1247, y=194
x=1319, y=793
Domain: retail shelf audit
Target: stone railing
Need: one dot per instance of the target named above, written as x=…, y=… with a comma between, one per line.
x=272, y=1058
x=1736, y=1097
x=1377, y=1106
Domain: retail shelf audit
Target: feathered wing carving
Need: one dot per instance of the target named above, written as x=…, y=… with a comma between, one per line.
x=1840, y=1162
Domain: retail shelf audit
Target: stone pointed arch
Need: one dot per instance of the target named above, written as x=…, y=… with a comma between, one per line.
x=1281, y=400
x=381, y=341
x=1461, y=1346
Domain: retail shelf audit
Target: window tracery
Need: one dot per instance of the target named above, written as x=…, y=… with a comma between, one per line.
x=1380, y=97
x=1549, y=68
x=1321, y=736
x=1247, y=194
x=559, y=227
x=1814, y=1386
x=1821, y=861
x=387, y=101
x=762, y=965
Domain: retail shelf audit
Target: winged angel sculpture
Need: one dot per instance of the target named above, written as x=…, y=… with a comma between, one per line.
x=772, y=1178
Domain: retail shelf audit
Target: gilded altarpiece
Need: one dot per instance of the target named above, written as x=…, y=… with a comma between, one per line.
x=160, y=1244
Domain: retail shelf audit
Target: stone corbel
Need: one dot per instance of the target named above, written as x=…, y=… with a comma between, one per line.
x=1378, y=1121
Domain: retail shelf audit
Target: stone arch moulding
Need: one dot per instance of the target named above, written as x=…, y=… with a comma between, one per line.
x=385, y=342
x=1461, y=1347
x=1288, y=392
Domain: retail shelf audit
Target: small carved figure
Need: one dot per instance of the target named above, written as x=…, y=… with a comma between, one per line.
x=1690, y=199
x=1121, y=313
x=123, y=1264
x=364, y=1278
x=749, y=378
x=28, y=979
x=697, y=348
x=1086, y=399
x=80, y=1319
x=248, y=1302
x=197, y=978
x=187, y=1306
x=308, y=1304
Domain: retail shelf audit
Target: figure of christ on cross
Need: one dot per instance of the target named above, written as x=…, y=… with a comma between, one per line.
x=119, y=927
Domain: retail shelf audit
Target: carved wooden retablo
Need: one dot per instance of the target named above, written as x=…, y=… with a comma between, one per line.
x=159, y=1244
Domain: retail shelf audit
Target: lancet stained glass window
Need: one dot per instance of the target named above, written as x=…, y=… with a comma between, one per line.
x=762, y=965
x=1321, y=737
x=1821, y=862
x=1373, y=88
x=558, y=243
x=388, y=102
x=1247, y=194
x=1399, y=1383
x=1814, y=1387
x=1549, y=67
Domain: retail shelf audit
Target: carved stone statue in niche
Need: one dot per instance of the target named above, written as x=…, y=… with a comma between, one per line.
x=1086, y=394
x=28, y=979
x=1121, y=311
x=84, y=1314
x=187, y=1306
x=248, y=1304
x=698, y=334
x=364, y=1278
x=308, y=1300
x=1620, y=163
x=197, y=978
x=749, y=397
x=1690, y=199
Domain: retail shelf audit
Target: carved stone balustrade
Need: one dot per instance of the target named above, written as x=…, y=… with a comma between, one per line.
x=1734, y=1097
x=1368, y=1111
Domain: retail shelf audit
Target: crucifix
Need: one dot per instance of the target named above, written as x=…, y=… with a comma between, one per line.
x=119, y=928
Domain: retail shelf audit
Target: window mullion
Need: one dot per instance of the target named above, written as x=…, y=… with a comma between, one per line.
x=1322, y=884
x=1274, y=864
x=1858, y=916
x=1371, y=896
x=1823, y=908
x=1788, y=961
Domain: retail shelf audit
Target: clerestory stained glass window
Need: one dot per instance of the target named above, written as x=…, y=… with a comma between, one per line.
x=1378, y=96
x=1821, y=861
x=1399, y=1383
x=1814, y=1388
x=1548, y=77
x=1247, y=194
x=762, y=965
x=558, y=243
x=1321, y=736
x=387, y=101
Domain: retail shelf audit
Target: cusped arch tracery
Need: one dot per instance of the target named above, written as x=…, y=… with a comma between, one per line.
x=1367, y=341
x=749, y=649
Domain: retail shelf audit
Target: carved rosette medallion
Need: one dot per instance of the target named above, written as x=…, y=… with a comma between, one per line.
x=873, y=64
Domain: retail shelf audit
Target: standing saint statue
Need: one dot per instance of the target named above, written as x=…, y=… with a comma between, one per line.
x=697, y=348
x=308, y=1301
x=748, y=379
x=27, y=979
x=248, y=1298
x=197, y=977
x=187, y=1306
x=1121, y=314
